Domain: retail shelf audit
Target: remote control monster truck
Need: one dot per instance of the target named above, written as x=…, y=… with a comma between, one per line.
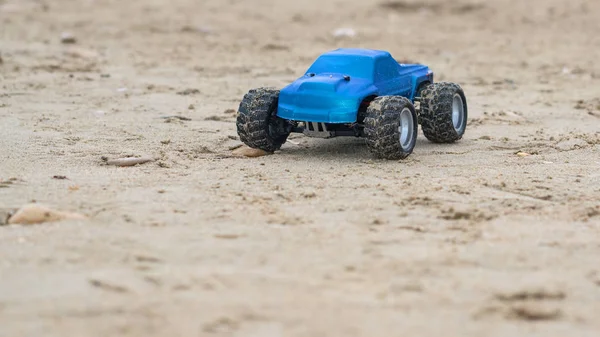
x=360, y=93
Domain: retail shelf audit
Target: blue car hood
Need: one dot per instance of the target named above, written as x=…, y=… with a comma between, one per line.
x=327, y=98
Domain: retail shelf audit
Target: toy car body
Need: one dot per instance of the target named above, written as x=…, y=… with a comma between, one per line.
x=338, y=81
x=356, y=92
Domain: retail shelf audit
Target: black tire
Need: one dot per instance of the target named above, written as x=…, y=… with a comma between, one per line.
x=257, y=123
x=384, y=128
x=439, y=118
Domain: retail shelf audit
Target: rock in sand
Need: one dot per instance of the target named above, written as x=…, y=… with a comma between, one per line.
x=247, y=151
x=32, y=214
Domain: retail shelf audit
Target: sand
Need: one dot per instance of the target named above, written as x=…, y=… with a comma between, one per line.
x=495, y=235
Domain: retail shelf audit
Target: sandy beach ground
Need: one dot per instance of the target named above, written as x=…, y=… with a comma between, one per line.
x=319, y=239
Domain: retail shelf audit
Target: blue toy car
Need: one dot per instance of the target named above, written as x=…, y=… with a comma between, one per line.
x=361, y=93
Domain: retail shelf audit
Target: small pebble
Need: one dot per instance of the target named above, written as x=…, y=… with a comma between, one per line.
x=131, y=161
x=35, y=214
x=67, y=38
x=99, y=113
x=249, y=152
x=344, y=32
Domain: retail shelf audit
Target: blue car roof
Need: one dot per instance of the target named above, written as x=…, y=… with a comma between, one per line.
x=372, y=53
x=349, y=61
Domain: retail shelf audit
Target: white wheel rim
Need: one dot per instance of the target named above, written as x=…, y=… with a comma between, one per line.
x=406, y=128
x=458, y=112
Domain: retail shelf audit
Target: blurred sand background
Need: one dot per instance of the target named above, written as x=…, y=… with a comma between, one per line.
x=319, y=239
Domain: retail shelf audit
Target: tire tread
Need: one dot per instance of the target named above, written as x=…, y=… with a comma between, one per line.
x=255, y=112
x=436, y=112
x=381, y=127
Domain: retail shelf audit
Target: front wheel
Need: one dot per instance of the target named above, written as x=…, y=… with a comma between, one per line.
x=443, y=115
x=257, y=123
x=391, y=127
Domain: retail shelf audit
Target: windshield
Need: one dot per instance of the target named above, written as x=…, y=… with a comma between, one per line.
x=355, y=66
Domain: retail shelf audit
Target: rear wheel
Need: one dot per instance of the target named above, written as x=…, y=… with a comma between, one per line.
x=257, y=123
x=391, y=127
x=443, y=115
